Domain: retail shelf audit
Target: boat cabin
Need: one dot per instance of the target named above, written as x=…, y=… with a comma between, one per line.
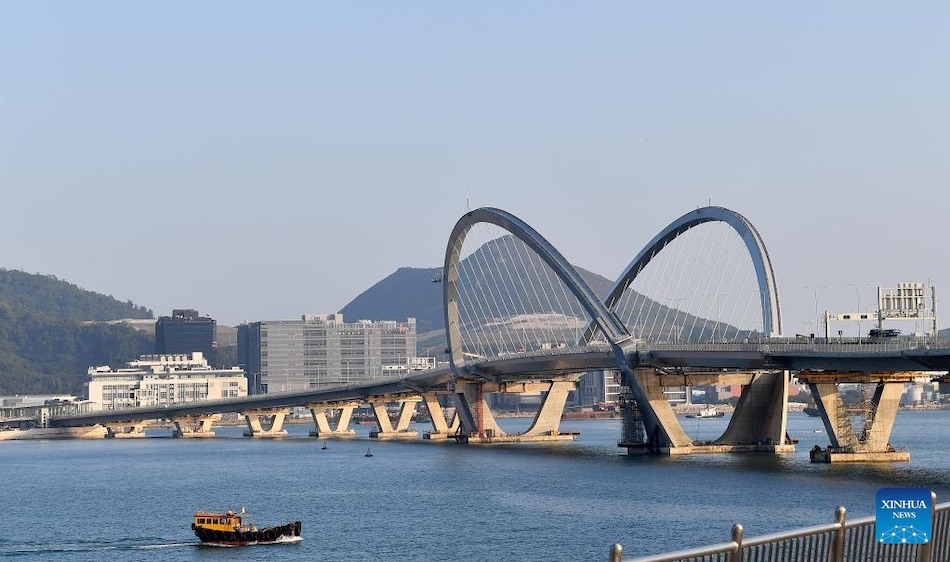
x=228, y=521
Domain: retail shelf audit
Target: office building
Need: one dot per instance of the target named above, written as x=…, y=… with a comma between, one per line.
x=184, y=332
x=323, y=350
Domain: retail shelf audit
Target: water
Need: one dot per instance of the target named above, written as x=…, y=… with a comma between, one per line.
x=133, y=499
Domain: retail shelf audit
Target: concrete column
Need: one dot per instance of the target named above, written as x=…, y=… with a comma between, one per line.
x=127, y=430
x=441, y=428
x=467, y=405
x=272, y=426
x=548, y=419
x=407, y=406
x=886, y=402
x=322, y=423
x=872, y=445
x=436, y=414
x=666, y=429
x=195, y=426
x=761, y=416
x=837, y=423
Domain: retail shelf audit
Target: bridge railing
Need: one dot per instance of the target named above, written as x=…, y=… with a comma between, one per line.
x=838, y=541
x=844, y=346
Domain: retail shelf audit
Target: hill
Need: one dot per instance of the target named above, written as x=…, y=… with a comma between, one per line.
x=55, y=298
x=417, y=292
x=51, y=331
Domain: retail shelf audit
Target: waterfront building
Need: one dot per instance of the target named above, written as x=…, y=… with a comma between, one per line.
x=155, y=380
x=598, y=387
x=184, y=332
x=321, y=350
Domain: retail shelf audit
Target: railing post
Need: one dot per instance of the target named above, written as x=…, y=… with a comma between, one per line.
x=736, y=556
x=836, y=548
x=616, y=553
x=925, y=552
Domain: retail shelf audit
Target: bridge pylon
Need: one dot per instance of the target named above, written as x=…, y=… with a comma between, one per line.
x=760, y=420
x=343, y=411
x=662, y=432
x=385, y=428
x=758, y=424
x=191, y=427
x=125, y=430
x=477, y=423
x=442, y=428
x=265, y=423
x=871, y=443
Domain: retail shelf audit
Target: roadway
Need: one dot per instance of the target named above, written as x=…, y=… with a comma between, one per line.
x=794, y=355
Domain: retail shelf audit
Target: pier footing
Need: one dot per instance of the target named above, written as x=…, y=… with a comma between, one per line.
x=542, y=438
x=827, y=456
x=393, y=435
x=643, y=449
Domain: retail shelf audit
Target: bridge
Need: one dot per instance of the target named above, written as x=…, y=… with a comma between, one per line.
x=699, y=304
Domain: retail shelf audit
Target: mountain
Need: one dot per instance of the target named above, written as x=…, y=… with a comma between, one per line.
x=498, y=266
x=52, y=331
x=408, y=292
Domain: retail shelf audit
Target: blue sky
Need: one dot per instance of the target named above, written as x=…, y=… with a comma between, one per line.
x=265, y=160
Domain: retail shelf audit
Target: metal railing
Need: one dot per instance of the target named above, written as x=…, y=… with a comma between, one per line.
x=839, y=541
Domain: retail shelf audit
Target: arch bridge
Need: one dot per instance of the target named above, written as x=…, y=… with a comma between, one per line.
x=698, y=305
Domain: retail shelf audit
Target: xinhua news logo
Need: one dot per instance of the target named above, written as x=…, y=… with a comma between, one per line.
x=904, y=516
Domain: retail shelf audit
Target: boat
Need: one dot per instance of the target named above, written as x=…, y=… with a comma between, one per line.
x=707, y=411
x=369, y=453
x=812, y=411
x=228, y=528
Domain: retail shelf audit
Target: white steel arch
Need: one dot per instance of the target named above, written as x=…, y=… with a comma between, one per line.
x=768, y=289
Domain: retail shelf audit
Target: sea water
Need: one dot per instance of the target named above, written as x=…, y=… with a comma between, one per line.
x=133, y=499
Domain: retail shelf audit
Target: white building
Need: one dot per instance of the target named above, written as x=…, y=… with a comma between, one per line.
x=155, y=380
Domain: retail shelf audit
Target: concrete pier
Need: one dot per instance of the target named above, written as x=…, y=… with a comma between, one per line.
x=442, y=429
x=321, y=421
x=385, y=428
x=477, y=424
x=134, y=430
x=872, y=442
x=760, y=420
x=195, y=427
x=758, y=424
x=266, y=423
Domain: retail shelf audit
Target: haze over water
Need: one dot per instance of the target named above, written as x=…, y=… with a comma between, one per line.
x=134, y=499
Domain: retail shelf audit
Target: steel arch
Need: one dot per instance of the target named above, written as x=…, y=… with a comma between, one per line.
x=768, y=289
x=599, y=314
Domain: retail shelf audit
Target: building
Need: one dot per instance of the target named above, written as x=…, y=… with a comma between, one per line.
x=155, y=380
x=598, y=387
x=184, y=332
x=323, y=350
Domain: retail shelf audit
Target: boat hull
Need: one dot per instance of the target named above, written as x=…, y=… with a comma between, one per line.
x=266, y=535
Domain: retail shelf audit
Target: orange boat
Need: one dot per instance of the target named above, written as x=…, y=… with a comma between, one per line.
x=229, y=529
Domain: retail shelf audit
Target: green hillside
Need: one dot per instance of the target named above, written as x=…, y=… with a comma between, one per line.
x=49, y=334
x=55, y=298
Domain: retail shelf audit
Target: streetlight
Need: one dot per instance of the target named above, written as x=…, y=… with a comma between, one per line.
x=857, y=295
x=817, y=317
x=676, y=313
x=718, y=310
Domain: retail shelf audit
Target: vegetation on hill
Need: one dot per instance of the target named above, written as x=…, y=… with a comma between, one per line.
x=55, y=298
x=49, y=337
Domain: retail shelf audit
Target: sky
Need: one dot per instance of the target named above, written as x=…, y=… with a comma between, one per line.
x=259, y=161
